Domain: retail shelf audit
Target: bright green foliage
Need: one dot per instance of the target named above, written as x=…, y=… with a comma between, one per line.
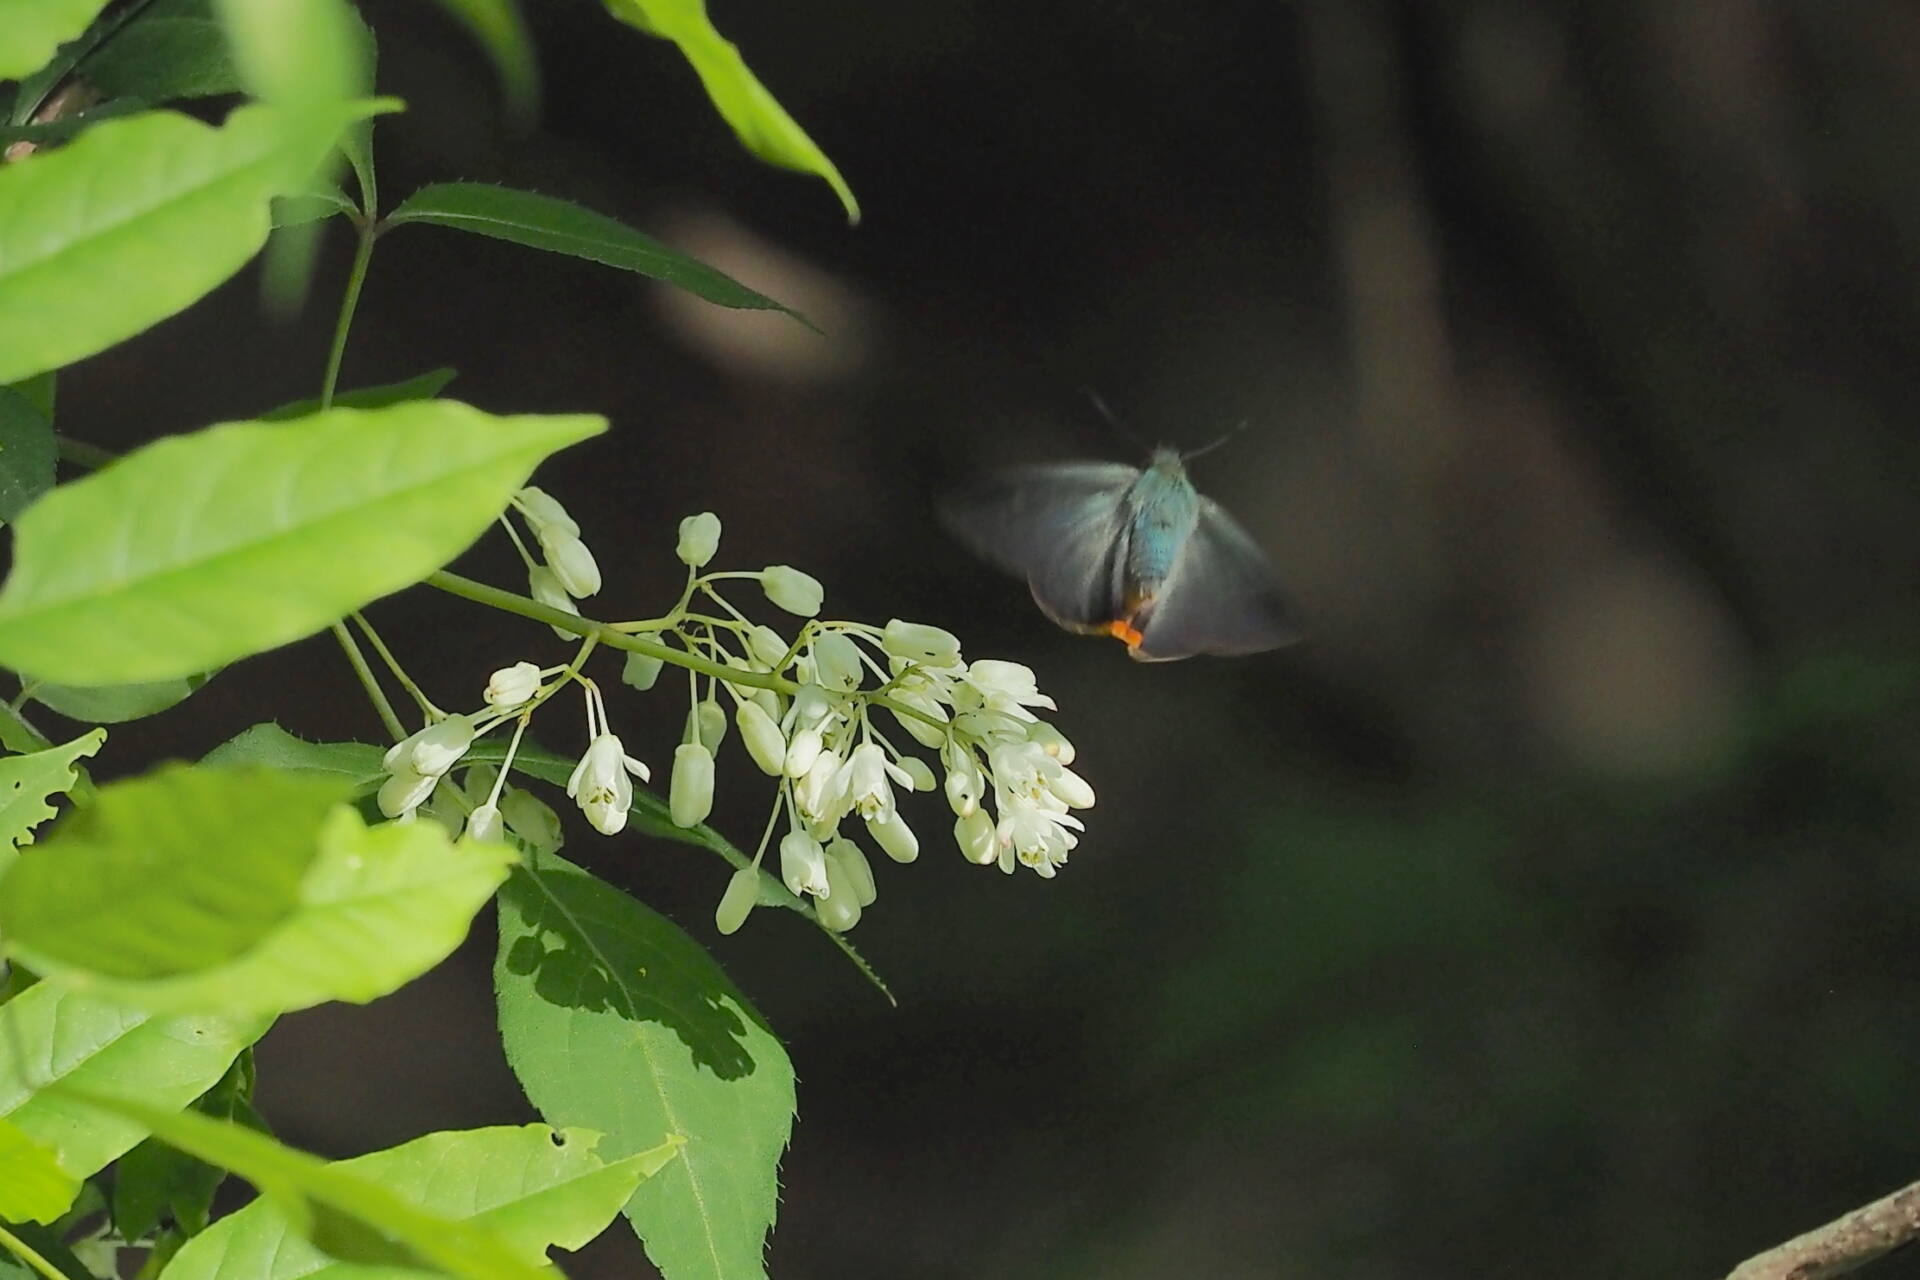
x=318, y=203
x=26, y=452
x=298, y=52
x=106, y=1048
x=356, y=763
x=559, y=226
x=422, y=386
x=242, y=893
x=532, y=1191
x=501, y=31
x=174, y=872
x=761, y=123
x=162, y=59
x=155, y=1180
x=118, y=703
x=32, y=29
x=207, y=547
x=33, y=1186
x=135, y=220
x=615, y=1020
x=349, y=1216
x=28, y=781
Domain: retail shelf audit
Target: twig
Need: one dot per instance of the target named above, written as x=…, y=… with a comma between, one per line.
x=1845, y=1244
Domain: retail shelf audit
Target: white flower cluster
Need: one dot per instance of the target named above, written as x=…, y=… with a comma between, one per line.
x=804, y=707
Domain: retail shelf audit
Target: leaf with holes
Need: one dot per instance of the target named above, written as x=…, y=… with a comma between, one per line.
x=615, y=1020
x=28, y=782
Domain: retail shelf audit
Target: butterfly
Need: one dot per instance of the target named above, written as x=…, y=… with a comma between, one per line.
x=1109, y=549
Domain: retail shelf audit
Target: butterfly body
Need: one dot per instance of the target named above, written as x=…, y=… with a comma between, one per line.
x=1134, y=553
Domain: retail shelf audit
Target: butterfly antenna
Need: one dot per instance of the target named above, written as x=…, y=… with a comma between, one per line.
x=1206, y=449
x=1101, y=407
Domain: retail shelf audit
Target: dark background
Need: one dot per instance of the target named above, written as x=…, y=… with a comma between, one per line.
x=1550, y=911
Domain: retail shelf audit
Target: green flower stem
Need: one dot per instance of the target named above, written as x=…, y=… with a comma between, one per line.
x=369, y=682
x=356, y=278
x=393, y=664
x=481, y=593
x=21, y=1250
x=90, y=457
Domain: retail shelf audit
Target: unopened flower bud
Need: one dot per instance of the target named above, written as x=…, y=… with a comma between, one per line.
x=762, y=737
x=1051, y=741
x=767, y=647
x=511, y=686
x=839, y=909
x=918, y=642
x=545, y=587
x=699, y=539
x=572, y=563
x=974, y=834
x=796, y=592
x=690, y=795
x=484, y=823
x=895, y=838
x=743, y=892
x=802, y=751
x=544, y=513
x=852, y=863
x=640, y=671
x=918, y=771
x=836, y=661
x=706, y=724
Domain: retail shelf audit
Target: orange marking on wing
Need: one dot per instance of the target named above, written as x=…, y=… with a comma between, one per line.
x=1123, y=629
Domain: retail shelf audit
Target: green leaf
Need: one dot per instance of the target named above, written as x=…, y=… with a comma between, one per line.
x=40, y=391
x=155, y=1180
x=559, y=226
x=615, y=1020
x=348, y=1215
x=105, y=1047
x=204, y=548
x=181, y=870
x=162, y=59
x=367, y=909
x=118, y=703
x=649, y=814
x=501, y=31
x=358, y=764
x=26, y=453
x=35, y=28
x=422, y=386
x=136, y=220
x=531, y=1186
x=298, y=52
x=33, y=1186
x=27, y=782
x=758, y=120
x=312, y=206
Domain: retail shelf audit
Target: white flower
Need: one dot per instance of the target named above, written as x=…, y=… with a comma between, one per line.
x=699, y=539
x=545, y=516
x=1035, y=837
x=767, y=647
x=545, y=587
x=434, y=749
x=762, y=737
x=918, y=642
x=601, y=785
x=803, y=864
x=690, y=794
x=820, y=795
x=965, y=782
x=1024, y=771
x=1005, y=687
x=796, y=592
x=743, y=892
x=511, y=686
x=1051, y=741
x=864, y=779
x=403, y=792
x=572, y=564
x=484, y=823
x=802, y=750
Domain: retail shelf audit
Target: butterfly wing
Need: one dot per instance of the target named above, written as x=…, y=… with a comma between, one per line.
x=1220, y=597
x=1061, y=527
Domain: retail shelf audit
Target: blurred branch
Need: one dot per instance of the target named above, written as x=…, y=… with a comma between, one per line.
x=1845, y=1244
